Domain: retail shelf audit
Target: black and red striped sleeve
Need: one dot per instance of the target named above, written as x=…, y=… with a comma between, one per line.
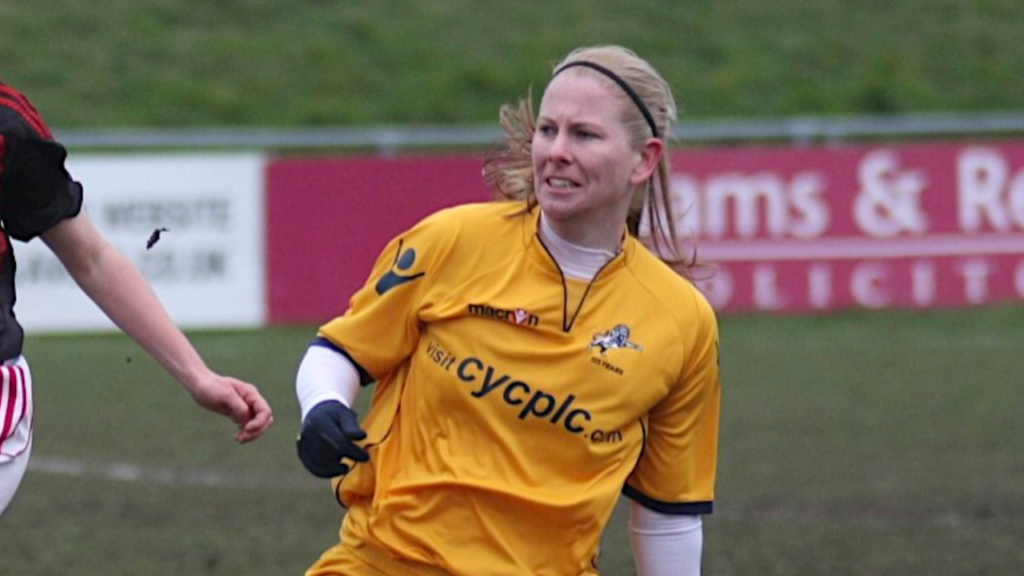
x=19, y=116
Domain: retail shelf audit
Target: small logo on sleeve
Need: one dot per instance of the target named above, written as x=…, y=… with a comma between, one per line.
x=398, y=274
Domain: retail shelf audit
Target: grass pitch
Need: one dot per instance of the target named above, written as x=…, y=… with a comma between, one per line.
x=860, y=443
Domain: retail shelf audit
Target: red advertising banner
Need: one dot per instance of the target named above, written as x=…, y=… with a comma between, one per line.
x=329, y=218
x=786, y=229
x=910, y=226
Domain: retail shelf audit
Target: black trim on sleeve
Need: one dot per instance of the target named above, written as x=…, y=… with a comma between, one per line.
x=365, y=378
x=676, y=508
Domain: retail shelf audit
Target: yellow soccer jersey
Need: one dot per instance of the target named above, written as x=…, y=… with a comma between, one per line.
x=508, y=418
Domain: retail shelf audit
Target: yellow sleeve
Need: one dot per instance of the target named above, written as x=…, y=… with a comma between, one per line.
x=381, y=327
x=676, y=470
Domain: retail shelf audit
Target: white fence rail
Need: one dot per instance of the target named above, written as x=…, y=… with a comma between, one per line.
x=800, y=130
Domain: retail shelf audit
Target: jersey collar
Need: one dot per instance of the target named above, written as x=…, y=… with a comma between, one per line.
x=539, y=254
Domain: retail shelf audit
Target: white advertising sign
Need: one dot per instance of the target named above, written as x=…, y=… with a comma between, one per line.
x=194, y=224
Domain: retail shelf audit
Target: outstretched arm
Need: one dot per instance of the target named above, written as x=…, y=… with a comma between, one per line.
x=117, y=286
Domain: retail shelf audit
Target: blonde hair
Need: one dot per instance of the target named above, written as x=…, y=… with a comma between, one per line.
x=508, y=170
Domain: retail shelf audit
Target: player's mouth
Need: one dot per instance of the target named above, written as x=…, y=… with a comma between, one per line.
x=557, y=184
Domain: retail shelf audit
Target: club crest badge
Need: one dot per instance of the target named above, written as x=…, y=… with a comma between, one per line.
x=617, y=337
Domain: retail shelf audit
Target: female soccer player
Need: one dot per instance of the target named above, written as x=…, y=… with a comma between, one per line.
x=39, y=198
x=533, y=358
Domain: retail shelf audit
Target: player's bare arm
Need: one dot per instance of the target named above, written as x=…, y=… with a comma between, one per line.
x=117, y=286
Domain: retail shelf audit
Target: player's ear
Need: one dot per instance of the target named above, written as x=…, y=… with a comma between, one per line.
x=650, y=157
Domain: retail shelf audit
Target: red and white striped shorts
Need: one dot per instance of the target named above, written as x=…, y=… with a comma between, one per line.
x=15, y=408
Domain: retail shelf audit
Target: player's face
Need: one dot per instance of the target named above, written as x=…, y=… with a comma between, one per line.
x=584, y=164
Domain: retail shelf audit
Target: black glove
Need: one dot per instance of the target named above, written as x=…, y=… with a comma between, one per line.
x=328, y=434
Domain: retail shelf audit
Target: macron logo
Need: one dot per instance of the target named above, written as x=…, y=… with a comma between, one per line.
x=397, y=275
x=517, y=316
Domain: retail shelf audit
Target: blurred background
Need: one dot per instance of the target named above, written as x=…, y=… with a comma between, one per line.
x=872, y=413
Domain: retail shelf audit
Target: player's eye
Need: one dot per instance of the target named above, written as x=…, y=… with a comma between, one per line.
x=546, y=130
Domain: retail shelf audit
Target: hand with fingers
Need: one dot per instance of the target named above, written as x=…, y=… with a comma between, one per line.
x=238, y=400
x=329, y=434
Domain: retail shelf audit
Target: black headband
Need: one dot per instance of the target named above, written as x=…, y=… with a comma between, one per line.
x=622, y=84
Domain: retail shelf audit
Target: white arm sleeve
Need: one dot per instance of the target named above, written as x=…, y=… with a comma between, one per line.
x=665, y=544
x=325, y=374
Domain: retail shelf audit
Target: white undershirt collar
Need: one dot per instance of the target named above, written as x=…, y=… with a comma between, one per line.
x=575, y=261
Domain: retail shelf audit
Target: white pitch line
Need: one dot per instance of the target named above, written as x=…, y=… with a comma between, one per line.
x=129, y=472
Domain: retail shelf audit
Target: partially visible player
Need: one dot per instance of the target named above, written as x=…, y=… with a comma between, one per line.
x=534, y=360
x=39, y=198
